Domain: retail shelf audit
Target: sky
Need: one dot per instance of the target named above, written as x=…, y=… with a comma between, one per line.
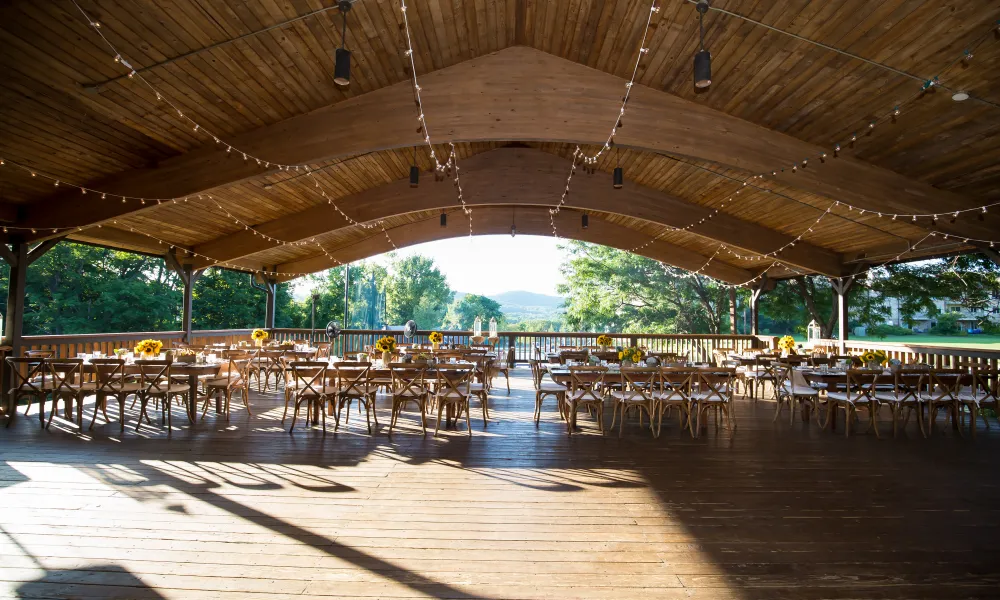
x=490, y=264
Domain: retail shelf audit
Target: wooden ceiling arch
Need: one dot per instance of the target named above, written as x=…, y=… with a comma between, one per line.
x=525, y=177
x=517, y=93
x=497, y=220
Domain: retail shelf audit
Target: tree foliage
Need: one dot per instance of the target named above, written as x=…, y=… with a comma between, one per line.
x=462, y=313
x=416, y=289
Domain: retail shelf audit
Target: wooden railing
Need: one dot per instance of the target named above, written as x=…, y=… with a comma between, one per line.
x=68, y=346
x=936, y=356
x=696, y=346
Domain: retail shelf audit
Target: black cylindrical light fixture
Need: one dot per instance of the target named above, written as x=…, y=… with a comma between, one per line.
x=415, y=177
x=618, y=178
x=342, y=64
x=342, y=69
x=444, y=219
x=585, y=221
x=703, y=69
x=703, y=59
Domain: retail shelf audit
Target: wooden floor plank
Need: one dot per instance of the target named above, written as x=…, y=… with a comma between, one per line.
x=243, y=509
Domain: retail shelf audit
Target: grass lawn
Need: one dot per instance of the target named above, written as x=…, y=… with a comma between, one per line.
x=981, y=342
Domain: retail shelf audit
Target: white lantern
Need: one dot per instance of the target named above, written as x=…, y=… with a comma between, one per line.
x=477, y=327
x=493, y=327
x=813, y=331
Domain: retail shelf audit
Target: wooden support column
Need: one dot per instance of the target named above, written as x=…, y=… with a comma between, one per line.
x=842, y=287
x=732, y=311
x=189, y=276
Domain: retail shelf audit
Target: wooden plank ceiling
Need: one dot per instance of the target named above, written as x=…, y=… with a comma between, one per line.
x=67, y=111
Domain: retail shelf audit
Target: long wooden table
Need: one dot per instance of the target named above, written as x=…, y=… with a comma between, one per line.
x=192, y=371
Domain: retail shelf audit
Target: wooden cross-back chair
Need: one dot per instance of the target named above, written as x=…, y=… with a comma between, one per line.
x=762, y=372
x=408, y=387
x=29, y=380
x=111, y=382
x=982, y=393
x=586, y=386
x=859, y=392
x=904, y=396
x=66, y=377
x=639, y=393
x=155, y=382
x=453, y=389
x=269, y=363
x=233, y=377
x=354, y=382
x=675, y=392
x=792, y=388
x=712, y=390
x=310, y=386
x=941, y=391
x=544, y=389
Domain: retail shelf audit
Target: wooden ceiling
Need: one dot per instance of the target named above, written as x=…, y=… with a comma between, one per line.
x=517, y=84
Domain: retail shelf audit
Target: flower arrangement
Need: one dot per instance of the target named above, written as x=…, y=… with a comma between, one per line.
x=436, y=337
x=121, y=352
x=604, y=340
x=875, y=356
x=787, y=343
x=184, y=355
x=386, y=344
x=149, y=347
x=259, y=335
x=633, y=354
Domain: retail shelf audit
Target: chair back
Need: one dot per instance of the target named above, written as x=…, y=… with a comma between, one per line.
x=986, y=385
x=907, y=385
x=943, y=385
x=39, y=353
x=585, y=382
x=408, y=378
x=236, y=367
x=454, y=382
x=861, y=384
x=575, y=355
x=818, y=361
x=154, y=376
x=676, y=383
x=64, y=373
x=353, y=378
x=29, y=374
x=309, y=377
x=110, y=374
x=537, y=373
x=322, y=350
x=641, y=381
x=714, y=384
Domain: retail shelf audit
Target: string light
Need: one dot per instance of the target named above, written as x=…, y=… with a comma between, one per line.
x=441, y=170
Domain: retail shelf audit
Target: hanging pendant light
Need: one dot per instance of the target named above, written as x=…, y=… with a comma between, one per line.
x=414, y=170
x=342, y=66
x=618, y=176
x=703, y=59
x=585, y=221
x=444, y=219
x=513, y=227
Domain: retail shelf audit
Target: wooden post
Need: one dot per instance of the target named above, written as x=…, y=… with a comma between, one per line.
x=13, y=327
x=270, y=287
x=842, y=287
x=189, y=275
x=732, y=311
x=756, y=291
x=347, y=289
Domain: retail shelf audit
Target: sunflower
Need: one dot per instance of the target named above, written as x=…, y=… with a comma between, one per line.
x=787, y=343
x=259, y=334
x=632, y=354
x=386, y=344
x=436, y=337
x=604, y=340
x=149, y=347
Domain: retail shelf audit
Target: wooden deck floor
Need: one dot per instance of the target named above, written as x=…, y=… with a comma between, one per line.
x=245, y=510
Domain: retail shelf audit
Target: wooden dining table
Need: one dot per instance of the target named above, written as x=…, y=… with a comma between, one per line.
x=192, y=371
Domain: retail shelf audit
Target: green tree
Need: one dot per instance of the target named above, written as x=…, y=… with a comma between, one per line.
x=416, y=289
x=225, y=299
x=462, y=313
x=614, y=290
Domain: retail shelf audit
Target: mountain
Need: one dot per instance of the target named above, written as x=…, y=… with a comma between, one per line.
x=526, y=299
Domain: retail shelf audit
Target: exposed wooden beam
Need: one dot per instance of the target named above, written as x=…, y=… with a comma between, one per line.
x=119, y=238
x=518, y=93
x=41, y=248
x=529, y=221
x=526, y=177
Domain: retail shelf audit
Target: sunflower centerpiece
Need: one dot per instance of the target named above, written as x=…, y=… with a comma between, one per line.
x=787, y=345
x=436, y=338
x=386, y=345
x=631, y=356
x=148, y=349
x=604, y=341
x=874, y=359
x=259, y=336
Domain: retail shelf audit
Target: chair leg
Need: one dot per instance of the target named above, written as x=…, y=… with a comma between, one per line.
x=468, y=419
x=437, y=425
